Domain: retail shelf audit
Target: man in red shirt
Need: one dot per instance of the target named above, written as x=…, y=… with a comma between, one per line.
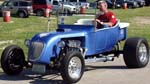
x=106, y=18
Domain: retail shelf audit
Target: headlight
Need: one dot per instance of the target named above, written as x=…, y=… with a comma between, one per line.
x=61, y=44
x=27, y=42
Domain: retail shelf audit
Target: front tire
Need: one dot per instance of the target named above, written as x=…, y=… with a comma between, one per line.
x=72, y=67
x=136, y=52
x=12, y=60
x=22, y=14
x=130, y=6
x=39, y=13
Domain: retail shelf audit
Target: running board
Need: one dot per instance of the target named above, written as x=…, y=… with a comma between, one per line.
x=102, y=59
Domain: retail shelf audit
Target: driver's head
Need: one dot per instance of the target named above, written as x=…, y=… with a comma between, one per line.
x=102, y=5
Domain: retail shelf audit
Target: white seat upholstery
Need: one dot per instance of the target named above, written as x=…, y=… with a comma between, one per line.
x=89, y=22
x=124, y=24
x=84, y=22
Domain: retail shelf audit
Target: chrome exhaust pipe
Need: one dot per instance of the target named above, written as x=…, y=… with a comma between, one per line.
x=109, y=58
x=102, y=59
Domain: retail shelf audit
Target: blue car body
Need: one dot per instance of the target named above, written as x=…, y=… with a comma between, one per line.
x=44, y=45
x=70, y=47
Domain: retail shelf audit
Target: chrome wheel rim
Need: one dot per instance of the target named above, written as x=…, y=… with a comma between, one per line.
x=142, y=53
x=39, y=13
x=74, y=67
x=21, y=15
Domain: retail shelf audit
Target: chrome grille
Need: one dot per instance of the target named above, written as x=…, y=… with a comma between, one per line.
x=35, y=50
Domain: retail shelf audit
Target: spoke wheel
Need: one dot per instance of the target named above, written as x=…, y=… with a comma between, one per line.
x=143, y=53
x=39, y=13
x=21, y=14
x=72, y=67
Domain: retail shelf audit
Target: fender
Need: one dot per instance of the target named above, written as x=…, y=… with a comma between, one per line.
x=49, y=41
x=23, y=10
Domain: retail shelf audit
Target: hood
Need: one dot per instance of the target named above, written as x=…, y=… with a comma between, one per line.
x=46, y=42
x=47, y=36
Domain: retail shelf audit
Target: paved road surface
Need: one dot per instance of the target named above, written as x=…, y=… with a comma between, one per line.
x=96, y=73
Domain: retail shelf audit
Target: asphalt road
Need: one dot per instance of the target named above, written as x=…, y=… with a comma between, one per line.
x=96, y=73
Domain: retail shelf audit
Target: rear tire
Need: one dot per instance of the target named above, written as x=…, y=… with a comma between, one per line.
x=12, y=60
x=136, y=52
x=72, y=67
x=39, y=13
x=1, y=14
x=68, y=12
x=147, y=4
x=131, y=7
x=22, y=14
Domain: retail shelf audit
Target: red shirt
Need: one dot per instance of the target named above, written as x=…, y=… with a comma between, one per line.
x=108, y=17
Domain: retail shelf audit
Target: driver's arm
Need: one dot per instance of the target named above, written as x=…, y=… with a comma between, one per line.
x=110, y=24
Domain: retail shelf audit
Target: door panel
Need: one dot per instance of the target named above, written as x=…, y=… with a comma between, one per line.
x=105, y=39
x=100, y=40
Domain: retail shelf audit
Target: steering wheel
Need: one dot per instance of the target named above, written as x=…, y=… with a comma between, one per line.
x=96, y=23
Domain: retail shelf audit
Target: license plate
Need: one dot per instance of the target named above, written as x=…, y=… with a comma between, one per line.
x=38, y=68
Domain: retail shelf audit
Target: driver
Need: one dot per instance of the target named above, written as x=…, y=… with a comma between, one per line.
x=105, y=18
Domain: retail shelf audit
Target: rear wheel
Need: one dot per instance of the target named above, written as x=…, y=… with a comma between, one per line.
x=72, y=67
x=147, y=3
x=12, y=60
x=136, y=53
x=1, y=14
x=22, y=14
x=68, y=12
x=40, y=13
x=131, y=6
x=142, y=4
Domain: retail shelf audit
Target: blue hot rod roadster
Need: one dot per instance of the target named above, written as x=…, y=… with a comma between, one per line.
x=70, y=47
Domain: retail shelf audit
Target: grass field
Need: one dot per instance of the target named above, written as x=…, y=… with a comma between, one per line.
x=20, y=29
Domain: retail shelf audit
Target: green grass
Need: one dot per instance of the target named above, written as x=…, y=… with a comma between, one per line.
x=22, y=29
x=130, y=15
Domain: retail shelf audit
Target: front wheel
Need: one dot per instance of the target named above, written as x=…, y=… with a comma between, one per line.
x=72, y=67
x=136, y=52
x=40, y=13
x=22, y=14
x=12, y=60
